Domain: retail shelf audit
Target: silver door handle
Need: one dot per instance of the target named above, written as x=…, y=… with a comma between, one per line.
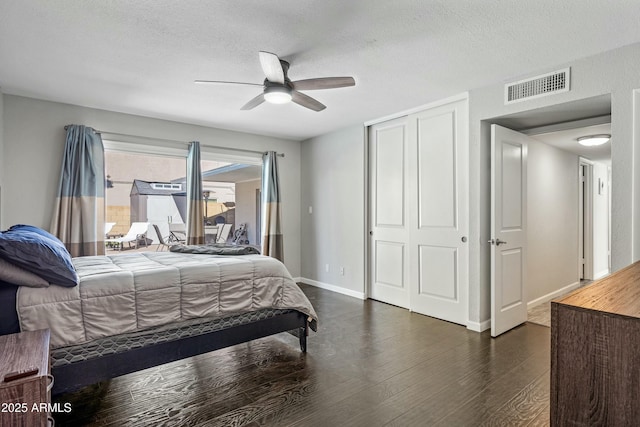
x=497, y=242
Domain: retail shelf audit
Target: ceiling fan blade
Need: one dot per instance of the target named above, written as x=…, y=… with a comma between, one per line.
x=324, y=83
x=271, y=67
x=254, y=102
x=221, y=82
x=306, y=101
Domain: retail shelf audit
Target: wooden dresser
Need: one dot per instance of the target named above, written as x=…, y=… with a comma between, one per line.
x=595, y=353
x=21, y=387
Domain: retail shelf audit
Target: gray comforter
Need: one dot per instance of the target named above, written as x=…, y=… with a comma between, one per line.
x=215, y=249
x=133, y=292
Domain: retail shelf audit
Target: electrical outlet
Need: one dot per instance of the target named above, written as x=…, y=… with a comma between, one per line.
x=310, y=210
x=342, y=271
x=326, y=267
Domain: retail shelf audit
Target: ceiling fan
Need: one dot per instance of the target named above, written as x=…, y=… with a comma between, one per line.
x=279, y=89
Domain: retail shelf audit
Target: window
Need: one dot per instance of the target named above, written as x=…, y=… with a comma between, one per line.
x=148, y=184
x=144, y=189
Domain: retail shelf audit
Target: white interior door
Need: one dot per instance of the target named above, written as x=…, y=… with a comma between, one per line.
x=508, y=229
x=418, y=171
x=439, y=165
x=389, y=242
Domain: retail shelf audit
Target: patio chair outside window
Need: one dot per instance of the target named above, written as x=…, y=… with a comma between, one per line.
x=107, y=227
x=223, y=234
x=177, y=232
x=137, y=233
x=162, y=240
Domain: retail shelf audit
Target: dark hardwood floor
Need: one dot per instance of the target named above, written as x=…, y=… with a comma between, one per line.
x=370, y=364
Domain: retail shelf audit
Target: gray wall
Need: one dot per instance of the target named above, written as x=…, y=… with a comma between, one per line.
x=616, y=72
x=333, y=184
x=331, y=168
x=34, y=142
x=342, y=154
x=552, y=214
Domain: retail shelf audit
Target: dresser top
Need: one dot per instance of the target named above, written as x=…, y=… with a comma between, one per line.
x=24, y=351
x=618, y=293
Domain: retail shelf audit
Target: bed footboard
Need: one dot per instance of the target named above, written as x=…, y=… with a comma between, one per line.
x=76, y=375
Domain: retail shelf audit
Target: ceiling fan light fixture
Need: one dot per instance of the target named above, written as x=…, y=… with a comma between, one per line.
x=277, y=88
x=593, y=140
x=277, y=95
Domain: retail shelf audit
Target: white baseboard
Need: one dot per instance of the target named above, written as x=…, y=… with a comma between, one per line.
x=601, y=274
x=552, y=295
x=479, y=327
x=332, y=288
x=473, y=326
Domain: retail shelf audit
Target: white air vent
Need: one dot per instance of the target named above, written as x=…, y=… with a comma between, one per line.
x=535, y=87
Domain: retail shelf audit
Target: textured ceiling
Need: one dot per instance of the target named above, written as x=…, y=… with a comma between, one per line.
x=141, y=57
x=567, y=140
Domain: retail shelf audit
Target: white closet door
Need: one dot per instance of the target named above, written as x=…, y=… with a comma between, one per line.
x=418, y=171
x=438, y=218
x=389, y=257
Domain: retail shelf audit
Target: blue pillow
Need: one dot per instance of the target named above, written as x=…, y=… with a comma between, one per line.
x=34, y=229
x=39, y=252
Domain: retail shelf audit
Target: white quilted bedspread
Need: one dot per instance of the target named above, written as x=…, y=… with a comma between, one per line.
x=132, y=292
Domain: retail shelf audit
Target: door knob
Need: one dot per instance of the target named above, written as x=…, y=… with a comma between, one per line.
x=497, y=242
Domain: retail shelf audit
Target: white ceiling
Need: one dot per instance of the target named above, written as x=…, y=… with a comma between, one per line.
x=141, y=57
x=567, y=140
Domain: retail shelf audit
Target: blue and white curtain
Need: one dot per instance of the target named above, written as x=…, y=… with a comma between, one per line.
x=78, y=217
x=195, y=211
x=272, y=243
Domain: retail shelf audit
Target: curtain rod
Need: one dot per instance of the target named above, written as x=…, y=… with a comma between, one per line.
x=179, y=142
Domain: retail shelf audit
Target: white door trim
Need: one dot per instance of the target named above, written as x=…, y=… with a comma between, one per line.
x=585, y=234
x=464, y=96
x=367, y=215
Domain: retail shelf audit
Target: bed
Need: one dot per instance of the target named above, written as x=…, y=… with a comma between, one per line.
x=133, y=311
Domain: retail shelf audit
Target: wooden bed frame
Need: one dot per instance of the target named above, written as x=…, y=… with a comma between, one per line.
x=76, y=375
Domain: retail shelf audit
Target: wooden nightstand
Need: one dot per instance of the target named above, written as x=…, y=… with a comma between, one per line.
x=25, y=379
